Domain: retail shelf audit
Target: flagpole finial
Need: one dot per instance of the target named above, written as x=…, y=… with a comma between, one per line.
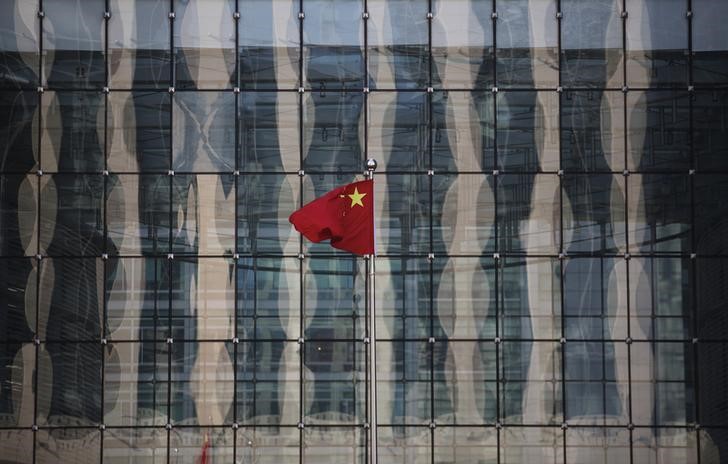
x=371, y=165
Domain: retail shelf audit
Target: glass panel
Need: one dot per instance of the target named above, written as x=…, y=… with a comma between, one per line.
x=138, y=135
x=17, y=445
x=147, y=446
x=464, y=299
x=17, y=138
x=398, y=130
x=401, y=444
x=464, y=382
x=530, y=382
x=662, y=383
x=402, y=298
x=527, y=131
x=72, y=215
x=333, y=384
x=203, y=132
x=528, y=40
x=709, y=213
x=71, y=305
x=137, y=299
x=597, y=445
x=331, y=138
x=529, y=300
x=711, y=442
x=711, y=297
x=334, y=299
x=592, y=131
x=398, y=44
x=594, y=299
x=72, y=136
x=69, y=384
x=202, y=384
x=269, y=44
x=333, y=39
x=73, y=44
x=593, y=213
x=403, y=382
x=591, y=44
x=139, y=47
x=661, y=298
x=597, y=387
x=710, y=131
x=462, y=44
x=660, y=219
x=17, y=375
x=18, y=211
x=334, y=445
x=135, y=384
x=269, y=132
x=710, y=52
x=528, y=213
x=19, y=44
x=658, y=137
x=462, y=132
x=665, y=445
x=186, y=445
x=80, y=445
x=531, y=444
x=463, y=214
x=712, y=357
x=268, y=389
x=268, y=445
x=402, y=223
x=203, y=214
x=203, y=296
x=204, y=41
x=269, y=296
x=264, y=203
x=18, y=299
x=138, y=214
x=657, y=43
x=476, y=446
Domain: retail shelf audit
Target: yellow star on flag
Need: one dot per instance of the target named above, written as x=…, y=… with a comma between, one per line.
x=356, y=198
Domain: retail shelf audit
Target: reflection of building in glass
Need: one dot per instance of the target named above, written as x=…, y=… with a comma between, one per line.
x=551, y=279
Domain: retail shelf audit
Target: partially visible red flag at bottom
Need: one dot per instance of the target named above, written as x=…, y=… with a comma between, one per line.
x=205, y=446
x=345, y=215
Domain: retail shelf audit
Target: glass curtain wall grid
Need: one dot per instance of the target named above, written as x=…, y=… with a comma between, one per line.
x=551, y=227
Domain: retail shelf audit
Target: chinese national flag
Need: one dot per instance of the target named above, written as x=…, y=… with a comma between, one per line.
x=344, y=215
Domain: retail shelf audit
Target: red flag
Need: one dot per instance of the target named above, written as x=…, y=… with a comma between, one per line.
x=205, y=446
x=344, y=215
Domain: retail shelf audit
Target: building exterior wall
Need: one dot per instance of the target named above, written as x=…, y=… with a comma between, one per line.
x=552, y=269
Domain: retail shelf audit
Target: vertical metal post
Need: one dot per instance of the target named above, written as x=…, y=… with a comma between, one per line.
x=371, y=167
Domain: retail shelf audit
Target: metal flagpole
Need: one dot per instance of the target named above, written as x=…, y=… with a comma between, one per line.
x=371, y=167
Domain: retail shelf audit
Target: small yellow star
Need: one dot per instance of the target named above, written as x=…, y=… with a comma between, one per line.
x=356, y=198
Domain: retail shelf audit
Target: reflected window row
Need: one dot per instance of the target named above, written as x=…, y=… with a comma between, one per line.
x=333, y=44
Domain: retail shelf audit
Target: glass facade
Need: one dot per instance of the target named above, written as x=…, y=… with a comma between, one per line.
x=552, y=231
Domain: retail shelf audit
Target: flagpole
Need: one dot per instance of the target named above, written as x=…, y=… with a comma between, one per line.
x=371, y=167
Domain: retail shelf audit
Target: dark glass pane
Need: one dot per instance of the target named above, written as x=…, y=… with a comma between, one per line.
x=204, y=44
x=398, y=44
x=73, y=44
x=333, y=39
x=398, y=130
x=138, y=137
x=73, y=132
x=19, y=26
x=139, y=46
x=403, y=298
x=72, y=215
x=709, y=214
x=403, y=226
x=658, y=137
x=591, y=44
x=19, y=211
x=710, y=52
x=331, y=138
x=710, y=130
x=269, y=132
x=462, y=132
x=17, y=138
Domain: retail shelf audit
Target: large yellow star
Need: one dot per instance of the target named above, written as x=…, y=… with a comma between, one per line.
x=356, y=198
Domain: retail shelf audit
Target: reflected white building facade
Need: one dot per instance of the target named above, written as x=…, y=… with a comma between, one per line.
x=552, y=265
